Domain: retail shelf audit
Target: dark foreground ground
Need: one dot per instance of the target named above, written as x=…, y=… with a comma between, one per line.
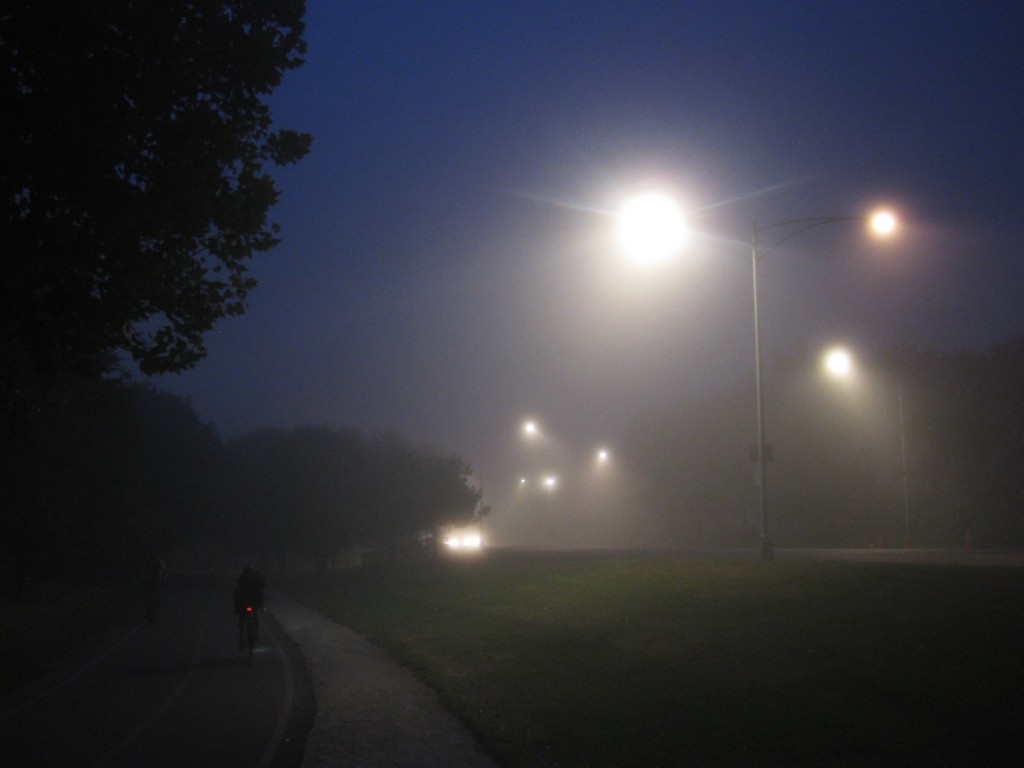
x=660, y=658
x=885, y=658
x=175, y=693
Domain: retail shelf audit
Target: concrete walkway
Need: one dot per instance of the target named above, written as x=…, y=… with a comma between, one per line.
x=370, y=711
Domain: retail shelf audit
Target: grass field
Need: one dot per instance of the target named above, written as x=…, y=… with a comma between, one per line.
x=656, y=659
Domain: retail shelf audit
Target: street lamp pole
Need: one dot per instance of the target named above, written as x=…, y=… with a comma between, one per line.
x=767, y=552
x=883, y=223
x=903, y=466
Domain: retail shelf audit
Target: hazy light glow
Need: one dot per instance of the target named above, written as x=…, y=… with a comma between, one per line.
x=838, y=362
x=603, y=456
x=464, y=541
x=550, y=482
x=530, y=428
x=882, y=223
x=652, y=229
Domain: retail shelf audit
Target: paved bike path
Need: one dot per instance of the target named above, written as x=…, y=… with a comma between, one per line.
x=370, y=711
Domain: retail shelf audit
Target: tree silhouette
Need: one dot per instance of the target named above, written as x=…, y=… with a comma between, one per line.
x=317, y=490
x=133, y=187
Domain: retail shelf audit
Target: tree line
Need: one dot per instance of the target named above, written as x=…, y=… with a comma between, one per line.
x=120, y=470
x=319, y=491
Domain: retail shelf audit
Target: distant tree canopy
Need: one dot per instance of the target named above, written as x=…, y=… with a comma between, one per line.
x=133, y=188
x=965, y=426
x=118, y=470
x=316, y=491
x=124, y=469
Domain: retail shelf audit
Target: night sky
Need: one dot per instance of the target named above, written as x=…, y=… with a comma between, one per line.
x=449, y=266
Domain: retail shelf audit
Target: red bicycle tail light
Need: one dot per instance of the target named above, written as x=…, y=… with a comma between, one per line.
x=248, y=609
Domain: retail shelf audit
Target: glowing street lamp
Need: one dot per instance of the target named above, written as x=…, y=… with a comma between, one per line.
x=652, y=229
x=882, y=223
x=839, y=363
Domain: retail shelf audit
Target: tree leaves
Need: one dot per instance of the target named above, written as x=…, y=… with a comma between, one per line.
x=134, y=186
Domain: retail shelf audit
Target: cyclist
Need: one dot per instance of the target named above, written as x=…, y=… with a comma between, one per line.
x=248, y=594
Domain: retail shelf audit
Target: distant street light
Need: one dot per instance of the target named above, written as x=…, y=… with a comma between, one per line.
x=838, y=362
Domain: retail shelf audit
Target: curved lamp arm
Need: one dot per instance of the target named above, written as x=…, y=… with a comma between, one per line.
x=798, y=226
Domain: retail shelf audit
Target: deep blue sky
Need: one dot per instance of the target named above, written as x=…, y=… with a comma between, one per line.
x=448, y=263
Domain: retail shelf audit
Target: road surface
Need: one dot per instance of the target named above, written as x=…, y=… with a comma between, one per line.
x=175, y=693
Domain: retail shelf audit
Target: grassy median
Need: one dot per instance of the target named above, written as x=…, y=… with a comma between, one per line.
x=602, y=659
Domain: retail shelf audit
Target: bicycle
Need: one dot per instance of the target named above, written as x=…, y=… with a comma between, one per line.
x=251, y=628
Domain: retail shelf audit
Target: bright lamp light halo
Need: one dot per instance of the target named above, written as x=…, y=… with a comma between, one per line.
x=652, y=228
